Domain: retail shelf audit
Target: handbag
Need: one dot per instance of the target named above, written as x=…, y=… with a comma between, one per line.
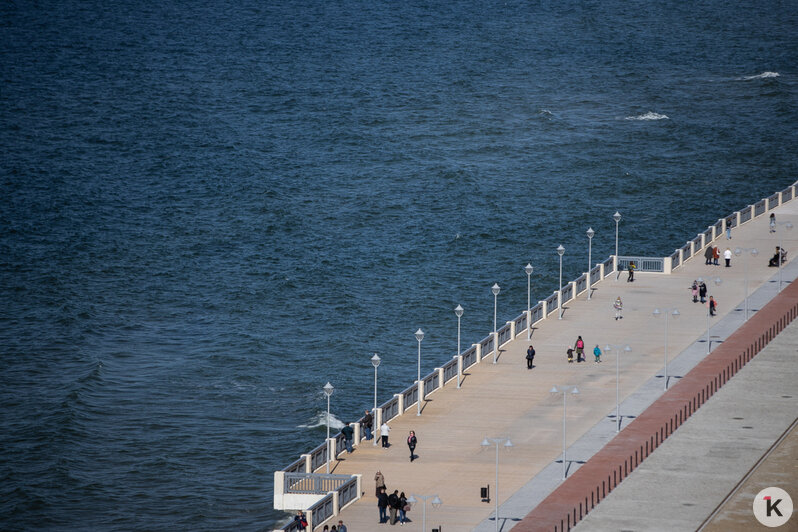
x=406, y=508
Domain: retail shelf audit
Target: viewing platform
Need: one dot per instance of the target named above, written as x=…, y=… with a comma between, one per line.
x=507, y=400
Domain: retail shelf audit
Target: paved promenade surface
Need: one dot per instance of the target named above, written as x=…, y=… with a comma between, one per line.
x=692, y=472
x=507, y=400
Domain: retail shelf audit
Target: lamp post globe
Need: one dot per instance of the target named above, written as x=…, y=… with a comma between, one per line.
x=495, y=289
x=328, y=391
x=617, y=218
x=590, y=235
x=669, y=313
x=560, y=252
x=419, y=336
x=458, y=311
x=753, y=252
x=508, y=445
x=375, y=361
x=528, y=269
x=626, y=349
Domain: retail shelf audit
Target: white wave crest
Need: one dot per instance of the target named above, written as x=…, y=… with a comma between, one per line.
x=648, y=116
x=320, y=420
x=763, y=75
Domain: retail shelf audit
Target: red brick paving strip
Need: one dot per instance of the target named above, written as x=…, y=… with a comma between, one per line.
x=571, y=501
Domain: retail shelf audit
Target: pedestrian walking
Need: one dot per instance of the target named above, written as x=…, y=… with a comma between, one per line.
x=379, y=480
x=631, y=270
x=393, y=505
x=368, y=422
x=728, y=229
x=382, y=504
x=385, y=430
x=580, y=349
x=702, y=291
x=403, y=508
x=530, y=357
x=715, y=255
x=597, y=353
x=348, y=433
x=570, y=353
x=618, y=306
x=411, y=443
x=694, y=290
x=708, y=255
x=341, y=526
x=713, y=305
x=727, y=257
x=772, y=222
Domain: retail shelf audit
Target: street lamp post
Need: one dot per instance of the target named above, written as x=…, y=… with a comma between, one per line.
x=436, y=503
x=717, y=281
x=753, y=252
x=590, y=234
x=560, y=251
x=626, y=349
x=495, y=289
x=507, y=445
x=617, y=218
x=788, y=226
x=564, y=390
x=528, y=269
x=328, y=391
x=419, y=337
x=375, y=361
x=458, y=311
x=674, y=312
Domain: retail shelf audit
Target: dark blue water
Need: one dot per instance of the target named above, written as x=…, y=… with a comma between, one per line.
x=210, y=209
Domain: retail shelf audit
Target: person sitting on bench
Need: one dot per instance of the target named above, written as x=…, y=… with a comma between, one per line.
x=780, y=253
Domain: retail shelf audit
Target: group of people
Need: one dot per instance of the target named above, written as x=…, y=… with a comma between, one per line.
x=699, y=289
x=393, y=507
x=579, y=346
x=368, y=425
x=699, y=292
x=340, y=528
x=712, y=256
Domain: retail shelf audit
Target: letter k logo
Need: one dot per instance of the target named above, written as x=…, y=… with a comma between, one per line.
x=773, y=507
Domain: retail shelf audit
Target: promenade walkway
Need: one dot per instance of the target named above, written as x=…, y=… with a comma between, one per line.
x=507, y=400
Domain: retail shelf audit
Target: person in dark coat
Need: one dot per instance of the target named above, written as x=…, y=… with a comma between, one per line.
x=411, y=443
x=403, y=508
x=368, y=422
x=382, y=504
x=530, y=357
x=708, y=255
x=393, y=505
x=348, y=433
x=301, y=520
